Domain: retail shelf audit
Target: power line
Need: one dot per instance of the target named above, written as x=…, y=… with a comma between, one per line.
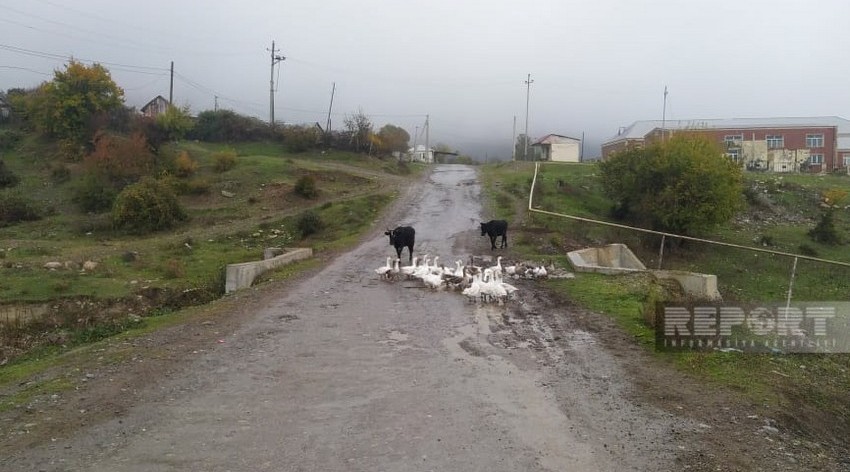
x=95, y=34
x=26, y=69
x=59, y=57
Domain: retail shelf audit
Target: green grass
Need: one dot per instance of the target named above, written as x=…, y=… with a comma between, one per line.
x=813, y=389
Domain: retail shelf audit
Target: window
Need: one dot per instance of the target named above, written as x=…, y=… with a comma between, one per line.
x=814, y=140
x=775, y=141
x=846, y=160
x=816, y=159
x=733, y=154
x=733, y=140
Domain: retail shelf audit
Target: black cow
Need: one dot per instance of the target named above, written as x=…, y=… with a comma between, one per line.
x=402, y=237
x=494, y=229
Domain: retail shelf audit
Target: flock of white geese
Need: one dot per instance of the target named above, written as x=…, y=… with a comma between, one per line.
x=485, y=284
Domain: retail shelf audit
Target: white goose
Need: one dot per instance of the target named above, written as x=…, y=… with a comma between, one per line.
x=383, y=271
x=408, y=270
x=509, y=289
x=473, y=292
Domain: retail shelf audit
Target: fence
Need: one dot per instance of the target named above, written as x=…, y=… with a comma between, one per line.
x=664, y=235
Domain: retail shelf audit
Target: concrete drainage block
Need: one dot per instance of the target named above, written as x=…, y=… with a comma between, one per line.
x=619, y=259
x=242, y=275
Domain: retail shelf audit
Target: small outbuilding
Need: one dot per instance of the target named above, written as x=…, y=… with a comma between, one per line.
x=557, y=148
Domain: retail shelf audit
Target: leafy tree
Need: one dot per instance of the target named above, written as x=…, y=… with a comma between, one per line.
x=65, y=106
x=519, y=149
x=683, y=185
x=149, y=205
x=393, y=138
x=359, y=128
x=176, y=122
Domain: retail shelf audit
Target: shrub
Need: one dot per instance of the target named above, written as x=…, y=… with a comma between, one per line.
x=825, y=231
x=306, y=187
x=14, y=208
x=93, y=194
x=309, y=223
x=149, y=205
x=7, y=177
x=300, y=138
x=185, y=166
x=224, y=160
x=120, y=160
x=174, y=269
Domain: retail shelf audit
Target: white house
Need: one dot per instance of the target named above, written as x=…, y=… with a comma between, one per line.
x=421, y=154
x=557, y=148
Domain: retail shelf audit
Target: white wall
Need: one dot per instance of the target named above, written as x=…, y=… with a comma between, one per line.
x=566, y=152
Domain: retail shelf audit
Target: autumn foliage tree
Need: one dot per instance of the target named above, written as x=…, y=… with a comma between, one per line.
x=683, y=185
x=65, y=106
x=393, y=138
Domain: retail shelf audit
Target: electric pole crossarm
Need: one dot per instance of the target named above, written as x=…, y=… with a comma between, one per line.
x=275, y=60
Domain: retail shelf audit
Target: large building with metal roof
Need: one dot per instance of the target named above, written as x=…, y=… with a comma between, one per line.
x=808, y=144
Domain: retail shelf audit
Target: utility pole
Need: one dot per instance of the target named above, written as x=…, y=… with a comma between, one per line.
x=513, y=142
x=330, y=107
x=171, y=87
x=415, y=136
x=216, y=103
x=528, y=83
x=275, y=60
x=427, y=136
x=664, y=116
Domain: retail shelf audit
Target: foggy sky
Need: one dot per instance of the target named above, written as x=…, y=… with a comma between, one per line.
x=596, y=65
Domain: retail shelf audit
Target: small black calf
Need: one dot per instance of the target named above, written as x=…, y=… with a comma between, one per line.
x=402, y=237
x=494, y=229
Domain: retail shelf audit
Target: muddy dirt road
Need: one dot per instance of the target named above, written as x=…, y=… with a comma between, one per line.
x=348, y=372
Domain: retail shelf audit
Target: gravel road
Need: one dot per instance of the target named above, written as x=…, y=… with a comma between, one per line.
x=346, y=372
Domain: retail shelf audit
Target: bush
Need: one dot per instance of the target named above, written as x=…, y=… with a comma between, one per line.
x=683, y=185
x=306, y=187
x=198, y=187
x=185, y=166
x=149, y=205
x=300, y=138
x=14, y=208
x=825, y=231
x=224, y=160
x=93, y=194
x=174, y=269
x=7, y=177
x=121, y=160
x=309, y=223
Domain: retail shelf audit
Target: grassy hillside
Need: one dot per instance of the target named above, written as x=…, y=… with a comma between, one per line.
x=232, y=216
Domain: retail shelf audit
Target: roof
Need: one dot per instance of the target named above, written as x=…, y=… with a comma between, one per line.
x=158, y=97
x=553, y=138
x=639, y=129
